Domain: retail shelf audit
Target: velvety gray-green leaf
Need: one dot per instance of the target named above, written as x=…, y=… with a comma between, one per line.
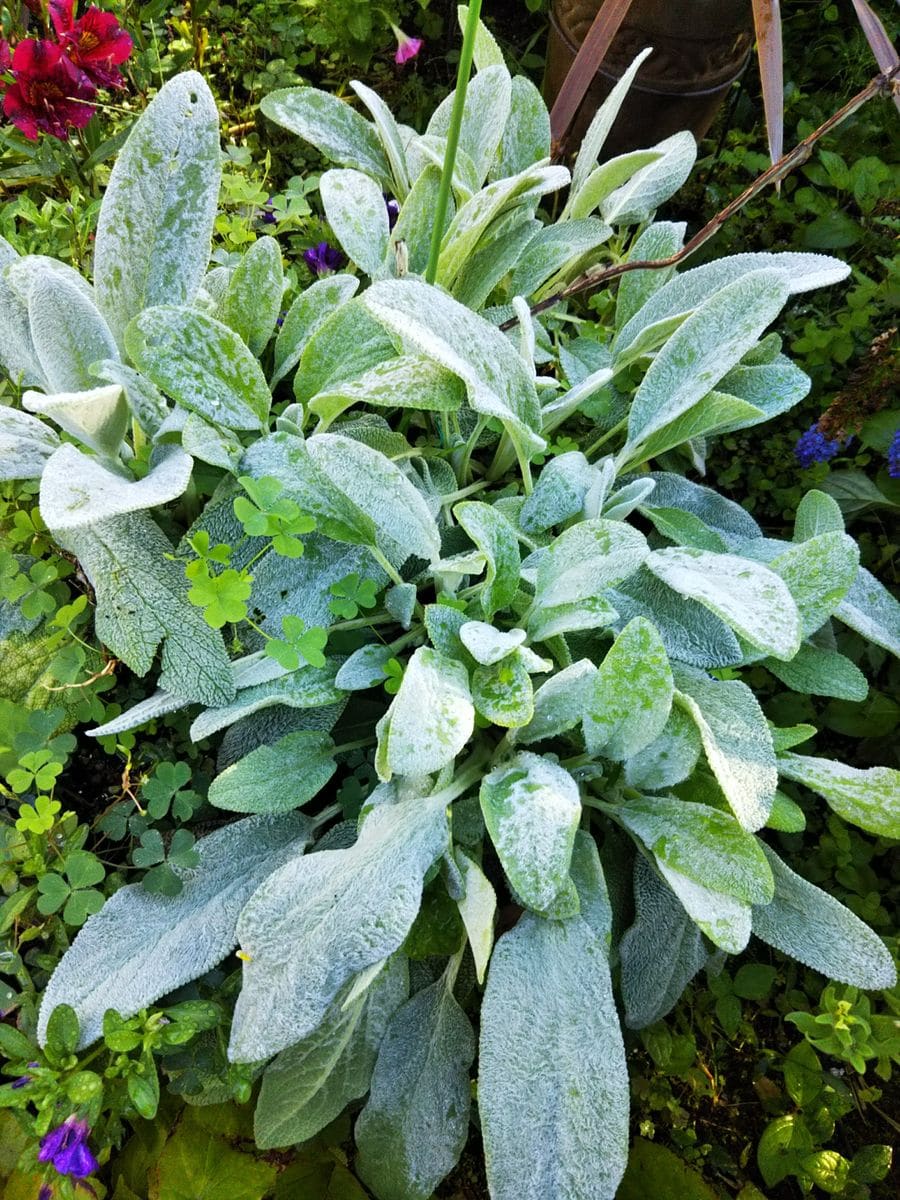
x=332, y=126
x=631, y=694
x=868, y=797
x=252, y=300
x=278, y=778
x=142, y=945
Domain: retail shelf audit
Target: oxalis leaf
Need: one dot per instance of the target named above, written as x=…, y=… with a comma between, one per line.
x=414, y=1126
x=142, y=945
x=531, y=808
x=552, y=1081
x=813, y=927
x=318, y=921
x=311, y=1083
x=156, y=220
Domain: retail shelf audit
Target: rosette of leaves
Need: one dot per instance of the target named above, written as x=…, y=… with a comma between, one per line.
x=569, y=734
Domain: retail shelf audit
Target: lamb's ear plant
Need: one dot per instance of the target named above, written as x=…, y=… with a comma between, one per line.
x=547, y=648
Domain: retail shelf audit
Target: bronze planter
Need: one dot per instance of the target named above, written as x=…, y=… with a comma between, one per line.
x=700, y=48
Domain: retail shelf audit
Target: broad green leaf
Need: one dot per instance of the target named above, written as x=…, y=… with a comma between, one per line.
x=726, y=518
x=416, y=219
x=474, y=219
x=817, y=672
x=487, y=110
x=749, y=597
x=660, y=952
x=99, y=417
x=869, y=798
x=318, y=921
x=486, y=51
x=786, y=816
x=277, y=778
x=631, y=694
x=68, y=333
x=195, y=1164
x=552, y=1082
x=388, y=134
x=252, y=301
x=559, y=492
x=591, y=613
x=503, y=694
x=477, y=907
x=655, y=1170
x=606, y=178
x=355, y=208
x=819, y=572
x=552, y=249
x=526, y=134
x=307, y=687
x=602, y=123
x=736, y=739
x=202, y=364
x=817, y=513
x=707, y=345
x=587, y=558
x=311, y=1083
x=497, y=380
x=77, y=491
x=811, y=926
x=142, y=600
x=690, y=632
x=491, y=264
x=669, y=759
x=688, y=291
x=715, y=413
x=332, y=126
x=653, y=184
x=559, y=703
x=364, y=668
x=532, y=808
x=415, y=1123
x=25, y=444
x=379, y=489
x=702, y=843
x=408, y=381
x=308, y=312
x=660, y=240
x=432, y=716
x=683, y=528
x=872, y=610
x=724, y=919
x=286, y=457
x=488, y=645
x=148, y=405
x=496, y=538
x=142, y=945
x=343, y=347
x=156, y=220
x=772, y=387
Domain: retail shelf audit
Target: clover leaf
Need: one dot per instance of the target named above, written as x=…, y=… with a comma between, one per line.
x=38, y=817
x=222, y=597
x=299, y=644
x=269, y=514
x=351, y=594
x=165, y=789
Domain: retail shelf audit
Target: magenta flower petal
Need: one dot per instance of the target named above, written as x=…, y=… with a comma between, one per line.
x=407, y=47
x=49, y=93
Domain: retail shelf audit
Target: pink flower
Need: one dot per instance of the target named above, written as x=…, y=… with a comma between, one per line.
x=407, y=47
x=49, y=93
x=96, y=42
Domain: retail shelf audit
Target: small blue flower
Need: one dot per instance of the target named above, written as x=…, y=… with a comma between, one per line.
x=267, y=215
x=393, y=209
x=815, y=447
x=46, y=1192
x=893, y=457
x=323, y=259
x=66, y=1147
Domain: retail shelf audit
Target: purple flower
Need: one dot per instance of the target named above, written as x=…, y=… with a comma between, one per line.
x=23, y=1079
x=393, y=210
x=893, y=457
x=46, y=1192
x=815, y=447
x=407, y=47
x=266, y=213
x=66, y=1147
x=323, y=259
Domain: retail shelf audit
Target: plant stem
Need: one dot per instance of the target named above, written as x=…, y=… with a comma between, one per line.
x=604, y=438
x=459, y=103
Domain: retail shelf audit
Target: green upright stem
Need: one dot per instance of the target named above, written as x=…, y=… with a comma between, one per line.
x=459, y=104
